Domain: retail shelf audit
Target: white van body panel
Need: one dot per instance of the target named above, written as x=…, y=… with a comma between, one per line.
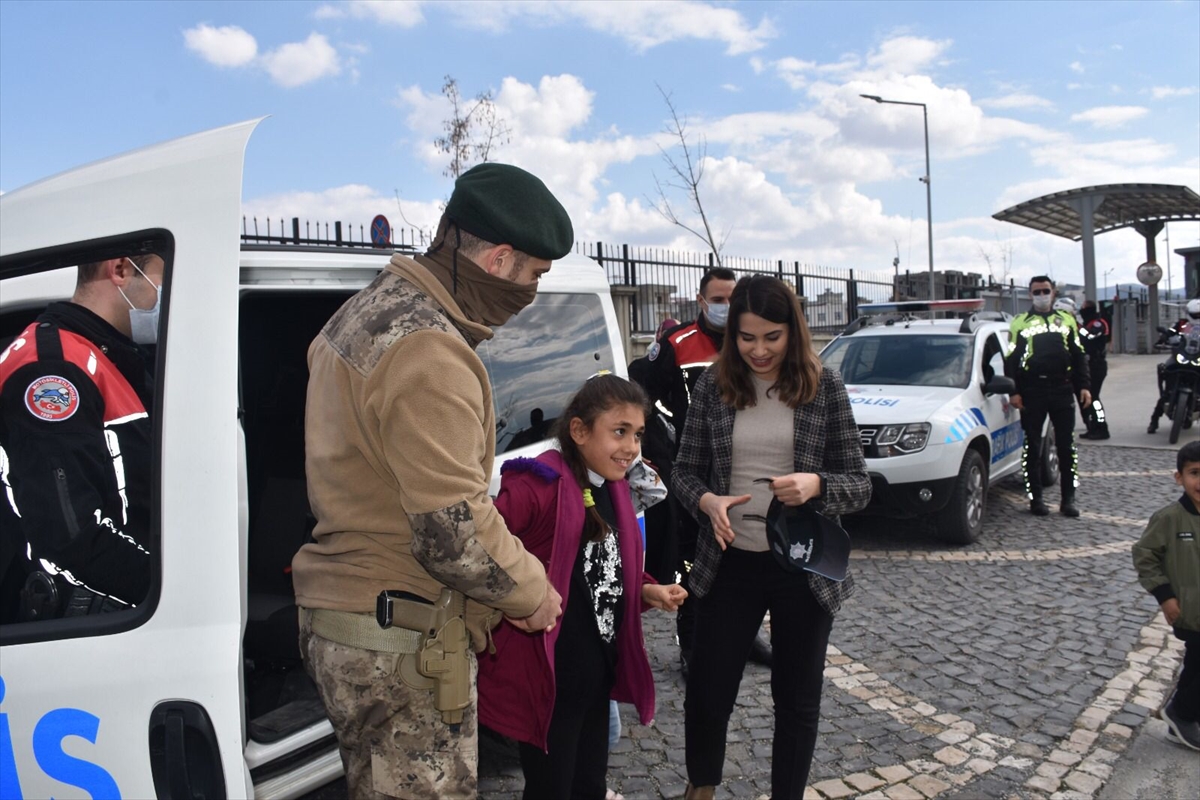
x=190, y=649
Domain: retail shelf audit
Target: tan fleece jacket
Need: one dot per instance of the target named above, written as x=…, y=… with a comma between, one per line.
x=400, y=441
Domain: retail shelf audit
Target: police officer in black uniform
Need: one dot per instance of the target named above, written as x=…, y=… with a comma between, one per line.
x=75, y=430
x=1050, y=369
x=1095, y=335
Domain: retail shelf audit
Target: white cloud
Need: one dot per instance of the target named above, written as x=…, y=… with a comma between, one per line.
x=228, y=46
x=906, y=54
x=1016, y=100
x=1076, y=67
x=298, y=63
x=400, y=13
x=731, y=87
x=793, y=71
x=1161, y=92
x=1109, y=116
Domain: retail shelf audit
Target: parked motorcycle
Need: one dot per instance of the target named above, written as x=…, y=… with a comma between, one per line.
x=1179, y=379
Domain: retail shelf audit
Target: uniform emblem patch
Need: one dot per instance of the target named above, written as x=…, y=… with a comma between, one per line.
x=52, y=398
x=652, y=353
x=1186, y=536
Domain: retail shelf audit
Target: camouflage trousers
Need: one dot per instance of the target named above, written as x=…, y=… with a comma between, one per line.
x=393, y=741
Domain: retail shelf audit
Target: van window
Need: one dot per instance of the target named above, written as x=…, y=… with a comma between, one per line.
x=537, y=361
x=79, y=423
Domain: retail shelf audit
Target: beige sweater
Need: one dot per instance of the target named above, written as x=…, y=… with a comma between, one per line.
x=400, y=442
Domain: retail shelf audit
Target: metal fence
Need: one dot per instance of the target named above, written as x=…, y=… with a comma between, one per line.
x=667, y=283
x=325, y=234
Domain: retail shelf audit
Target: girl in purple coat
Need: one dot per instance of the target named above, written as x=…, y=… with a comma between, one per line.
x=571, y=508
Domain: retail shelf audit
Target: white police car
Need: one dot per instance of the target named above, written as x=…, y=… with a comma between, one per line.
x=199, y=692
x=931, y=402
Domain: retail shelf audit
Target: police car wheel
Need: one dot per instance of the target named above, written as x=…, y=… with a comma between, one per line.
x=1051, y=469
x=961, y=521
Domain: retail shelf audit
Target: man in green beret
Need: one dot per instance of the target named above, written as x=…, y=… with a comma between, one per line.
x=400, y=442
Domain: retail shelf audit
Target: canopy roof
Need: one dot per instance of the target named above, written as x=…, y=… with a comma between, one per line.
x=1120, y=205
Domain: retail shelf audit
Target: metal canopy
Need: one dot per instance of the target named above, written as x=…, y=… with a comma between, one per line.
x=1121, y=205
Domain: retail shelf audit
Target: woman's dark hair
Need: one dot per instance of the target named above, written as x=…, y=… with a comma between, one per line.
x=599, y=393
x=800, y=373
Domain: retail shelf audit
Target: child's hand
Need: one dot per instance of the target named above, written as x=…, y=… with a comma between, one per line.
x=1171, y=610
x=665, y=598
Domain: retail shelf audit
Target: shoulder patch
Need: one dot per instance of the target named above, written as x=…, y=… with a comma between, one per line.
x=653, y=352
x=52, y=398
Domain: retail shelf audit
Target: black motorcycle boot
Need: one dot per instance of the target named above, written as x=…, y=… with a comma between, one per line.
x=1067, y=506
x=1039, y=507
x=1153, y=428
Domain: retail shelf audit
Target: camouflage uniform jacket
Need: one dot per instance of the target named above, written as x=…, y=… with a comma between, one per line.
x=399, y=442
x=543, y=505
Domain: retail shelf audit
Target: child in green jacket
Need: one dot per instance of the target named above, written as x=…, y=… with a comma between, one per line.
x=1167, y=558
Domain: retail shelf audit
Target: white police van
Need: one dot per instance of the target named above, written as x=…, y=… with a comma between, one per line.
x=931, y=402
x=200, y=691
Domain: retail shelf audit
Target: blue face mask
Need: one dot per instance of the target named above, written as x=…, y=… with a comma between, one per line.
x=143, y=323
x=717, y=314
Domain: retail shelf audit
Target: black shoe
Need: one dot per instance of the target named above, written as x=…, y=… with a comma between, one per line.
x=1181, y=731
x=1100, y=436
x=1068, y=507
x=1153, y=426
x=760, y=650
x=1039, y=508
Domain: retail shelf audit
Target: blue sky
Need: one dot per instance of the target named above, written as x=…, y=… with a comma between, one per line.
x=1024, y=98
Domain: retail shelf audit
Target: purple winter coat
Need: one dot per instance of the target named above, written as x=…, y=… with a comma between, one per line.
x=543, y=506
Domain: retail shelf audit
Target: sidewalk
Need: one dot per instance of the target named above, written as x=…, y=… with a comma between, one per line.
x=1154, y=769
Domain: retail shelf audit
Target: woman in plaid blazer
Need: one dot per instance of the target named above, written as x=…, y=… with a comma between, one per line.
x=766, y=409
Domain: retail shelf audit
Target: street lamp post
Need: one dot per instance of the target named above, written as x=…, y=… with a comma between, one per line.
x=924, y=180
x=1107, y=272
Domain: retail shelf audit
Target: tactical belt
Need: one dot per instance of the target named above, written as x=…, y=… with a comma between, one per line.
x=362, y=631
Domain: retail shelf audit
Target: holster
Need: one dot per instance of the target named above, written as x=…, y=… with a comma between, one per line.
x=442, y=662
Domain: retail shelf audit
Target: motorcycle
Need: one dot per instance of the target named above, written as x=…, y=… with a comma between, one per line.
x=1179, y=379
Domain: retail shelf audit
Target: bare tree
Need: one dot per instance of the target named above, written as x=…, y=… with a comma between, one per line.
x=472, y=131
x=686, y=174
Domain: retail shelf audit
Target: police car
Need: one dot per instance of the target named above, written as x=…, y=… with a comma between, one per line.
x=931, y=401
x=200, y=691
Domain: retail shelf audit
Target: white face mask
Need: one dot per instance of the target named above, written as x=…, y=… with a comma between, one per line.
x=1043, y=302
x=717, y=314
x=143, y=323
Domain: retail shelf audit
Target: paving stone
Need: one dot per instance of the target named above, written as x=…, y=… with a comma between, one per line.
x=834, y=789
x=928, y=785
x=951, y=756
x=864, y=782
x=902, y=791
x=894, y=773
x=1043, y=784
x=1082, y=782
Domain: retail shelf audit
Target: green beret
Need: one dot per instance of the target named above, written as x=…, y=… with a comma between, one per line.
x=503, y=204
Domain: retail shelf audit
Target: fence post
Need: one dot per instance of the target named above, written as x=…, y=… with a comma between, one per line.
x=779, y=270
x=295, y=230
x=851, y=298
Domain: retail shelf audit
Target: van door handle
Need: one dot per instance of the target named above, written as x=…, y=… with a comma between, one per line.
x=185, y=760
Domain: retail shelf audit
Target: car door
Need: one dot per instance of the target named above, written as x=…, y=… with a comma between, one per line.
x=144, y=702
x=1003, y=420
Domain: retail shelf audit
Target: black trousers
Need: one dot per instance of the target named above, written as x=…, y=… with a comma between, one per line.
x=728, y=617
x=1059, y=406
x=576, y=766
x=1187, y=691
x=686, y=530
x=1093, y=415
x=662, y=545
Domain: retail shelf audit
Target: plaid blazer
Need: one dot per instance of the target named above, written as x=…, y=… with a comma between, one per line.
x=825, y=442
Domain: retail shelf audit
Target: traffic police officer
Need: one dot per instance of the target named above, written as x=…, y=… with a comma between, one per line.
x=400, y=441
x=1095, y=335
x=1050, y=369
x=674, y=366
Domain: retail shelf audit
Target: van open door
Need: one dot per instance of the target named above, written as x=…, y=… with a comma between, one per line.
x=146, y=701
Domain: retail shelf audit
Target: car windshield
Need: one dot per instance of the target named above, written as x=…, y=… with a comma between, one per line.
x=904, y=360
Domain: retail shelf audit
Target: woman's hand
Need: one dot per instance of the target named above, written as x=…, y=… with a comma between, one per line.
x=664, y=598
x=717, y=508
x=797, y=488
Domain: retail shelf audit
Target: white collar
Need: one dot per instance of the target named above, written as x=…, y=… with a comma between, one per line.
x=595, y=479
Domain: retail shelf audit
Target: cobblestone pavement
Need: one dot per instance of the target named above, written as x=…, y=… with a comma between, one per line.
x=1016, y=667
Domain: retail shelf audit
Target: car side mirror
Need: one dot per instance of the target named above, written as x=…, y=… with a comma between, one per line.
x=1000, y=384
